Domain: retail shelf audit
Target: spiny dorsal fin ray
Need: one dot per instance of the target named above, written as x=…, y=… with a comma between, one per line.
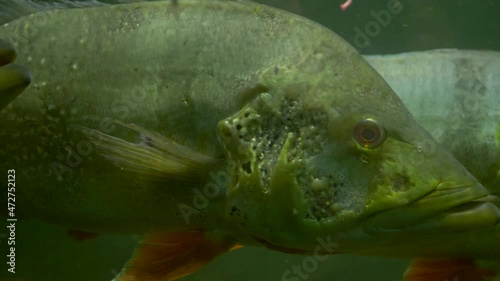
x=13, y=9
x=155, y=158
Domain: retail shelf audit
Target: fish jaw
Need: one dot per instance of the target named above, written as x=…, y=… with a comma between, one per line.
x=453, y=209
x=446, y=193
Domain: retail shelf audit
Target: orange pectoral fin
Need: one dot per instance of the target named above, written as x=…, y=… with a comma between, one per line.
x=169, y=256
x=236, y=247
x=447, y=270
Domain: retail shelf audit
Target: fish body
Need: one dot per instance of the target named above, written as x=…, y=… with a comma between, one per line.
x=185, y=98
x=207, y=124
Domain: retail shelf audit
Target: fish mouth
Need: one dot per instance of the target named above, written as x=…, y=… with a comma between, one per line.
x=446, y=207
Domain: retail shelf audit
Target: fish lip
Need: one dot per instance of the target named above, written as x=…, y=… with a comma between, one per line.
x=438, y=209
x=454, y=195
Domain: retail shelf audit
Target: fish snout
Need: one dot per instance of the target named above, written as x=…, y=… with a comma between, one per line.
x=448, y=207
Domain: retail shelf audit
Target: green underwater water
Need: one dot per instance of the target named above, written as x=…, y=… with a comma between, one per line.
x=46, y=253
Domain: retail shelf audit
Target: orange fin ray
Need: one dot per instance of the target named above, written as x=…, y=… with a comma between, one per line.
x=447, y=270
x=236, y=247
x=167, y=256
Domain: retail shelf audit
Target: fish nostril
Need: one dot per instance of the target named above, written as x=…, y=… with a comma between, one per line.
x=401, y=183
x=246, y=167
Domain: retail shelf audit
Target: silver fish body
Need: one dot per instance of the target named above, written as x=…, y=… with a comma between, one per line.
x=454, y=94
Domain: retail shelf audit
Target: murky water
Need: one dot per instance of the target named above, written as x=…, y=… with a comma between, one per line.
x=47, y=253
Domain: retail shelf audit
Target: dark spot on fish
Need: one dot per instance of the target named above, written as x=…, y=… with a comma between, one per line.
x=401, y=183
x=246, y=168
x=470, y=97
x=276, y=70
x=469, y=77
x=136, y=69
x=235, y=211
x=147, y=141
x=238, y=127
x=247, y=114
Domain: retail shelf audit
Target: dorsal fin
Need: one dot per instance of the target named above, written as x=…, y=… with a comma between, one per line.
x=13, y=9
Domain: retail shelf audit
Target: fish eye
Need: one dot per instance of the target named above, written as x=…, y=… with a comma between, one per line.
x=369, y=134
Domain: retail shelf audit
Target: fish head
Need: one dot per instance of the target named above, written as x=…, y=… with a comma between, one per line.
x=328, y=151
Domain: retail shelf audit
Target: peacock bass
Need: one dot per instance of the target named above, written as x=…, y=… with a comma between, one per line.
x=209, y=124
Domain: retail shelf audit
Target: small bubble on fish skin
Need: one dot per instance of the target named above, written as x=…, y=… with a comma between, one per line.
x=74, y=66
x=41, y=84
x=319, y=184
x=29, y=59
x=42, y=61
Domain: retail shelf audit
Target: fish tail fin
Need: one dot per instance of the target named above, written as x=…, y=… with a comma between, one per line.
x=448, y=269
x=165, y=256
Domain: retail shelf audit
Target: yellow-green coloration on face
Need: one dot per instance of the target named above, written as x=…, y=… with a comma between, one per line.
x=129, y=117
x=300, y=174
